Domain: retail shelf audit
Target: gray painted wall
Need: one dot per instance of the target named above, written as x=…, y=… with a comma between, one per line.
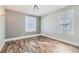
x=49, y=24
x=15, y=24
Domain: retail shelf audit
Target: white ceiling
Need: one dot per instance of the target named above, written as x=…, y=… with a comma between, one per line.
x=28, y=9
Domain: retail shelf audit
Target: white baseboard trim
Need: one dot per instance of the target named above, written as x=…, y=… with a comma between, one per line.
x=2, y=46
x=18, y=38
x=52, y=37
x=62, y=40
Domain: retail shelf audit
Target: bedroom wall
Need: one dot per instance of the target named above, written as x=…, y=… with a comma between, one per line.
x=2, y=30
x=49, y=24
x=15, y=24
x=2, y=26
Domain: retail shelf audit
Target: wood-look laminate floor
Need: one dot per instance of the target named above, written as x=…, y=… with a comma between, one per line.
x=39, y=44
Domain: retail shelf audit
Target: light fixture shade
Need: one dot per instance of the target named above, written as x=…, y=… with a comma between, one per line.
x=35, y=7
x=2, y=11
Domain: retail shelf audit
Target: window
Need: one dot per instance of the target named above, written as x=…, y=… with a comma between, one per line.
x=66, y=22
x=30, y=24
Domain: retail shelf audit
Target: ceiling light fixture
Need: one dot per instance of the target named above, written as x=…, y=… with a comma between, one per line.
x=36, y=7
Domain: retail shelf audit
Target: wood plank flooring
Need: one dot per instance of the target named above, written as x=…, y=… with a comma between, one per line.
x=38, y=44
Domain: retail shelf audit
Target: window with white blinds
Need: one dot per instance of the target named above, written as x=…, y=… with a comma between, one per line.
x=30, y=24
